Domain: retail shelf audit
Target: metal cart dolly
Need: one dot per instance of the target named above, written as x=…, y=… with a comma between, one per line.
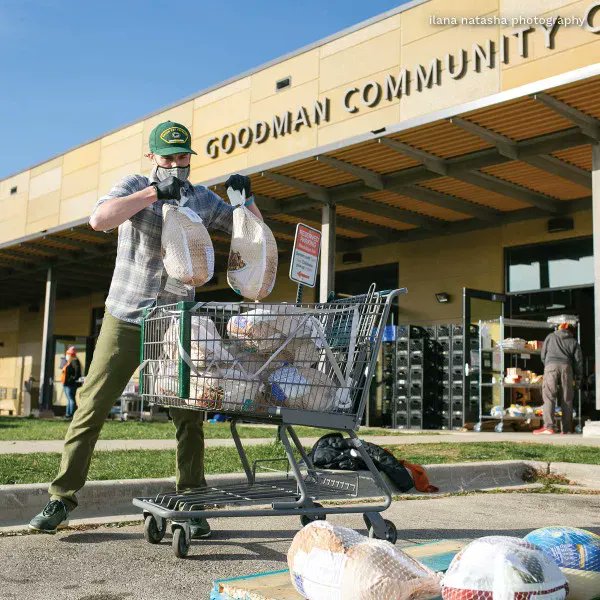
x=283, y=364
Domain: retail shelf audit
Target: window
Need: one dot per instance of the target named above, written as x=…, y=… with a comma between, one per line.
x=13, y=190
x=568, y=263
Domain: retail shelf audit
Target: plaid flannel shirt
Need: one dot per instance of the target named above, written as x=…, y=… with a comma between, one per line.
x=139, y=277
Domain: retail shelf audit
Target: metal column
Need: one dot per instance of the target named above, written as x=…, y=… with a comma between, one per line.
x=46, y=371
x=327, y=279
x=596, y=231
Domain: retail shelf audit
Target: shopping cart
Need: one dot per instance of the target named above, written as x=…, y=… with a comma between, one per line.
x=286, y=364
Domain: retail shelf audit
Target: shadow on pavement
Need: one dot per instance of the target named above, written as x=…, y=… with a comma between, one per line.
x=254, y=551
x=99, y=537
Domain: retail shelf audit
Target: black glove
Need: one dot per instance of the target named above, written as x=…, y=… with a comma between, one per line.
x=169, y=189
x=239, y=183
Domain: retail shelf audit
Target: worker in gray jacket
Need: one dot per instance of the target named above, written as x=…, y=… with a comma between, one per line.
x=563, y=369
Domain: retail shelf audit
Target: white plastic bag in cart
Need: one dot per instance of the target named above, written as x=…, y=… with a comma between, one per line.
x=187, y=250
x=266, y=329
x=206, y=346
x=328, y=562
x=252, y=266
x=503, y=568
x=230, y=390
x=305, y=388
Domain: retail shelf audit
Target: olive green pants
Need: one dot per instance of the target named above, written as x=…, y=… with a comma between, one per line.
x=116, y=357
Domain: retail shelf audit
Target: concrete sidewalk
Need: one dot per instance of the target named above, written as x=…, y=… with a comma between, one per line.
x=27, y=447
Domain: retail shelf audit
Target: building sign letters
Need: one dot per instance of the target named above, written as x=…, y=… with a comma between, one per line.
x=393, y=86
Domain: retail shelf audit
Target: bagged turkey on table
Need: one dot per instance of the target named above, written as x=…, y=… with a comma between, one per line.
x=252, y=265
x=502, y=567
x=328, y=562
x=187, y=250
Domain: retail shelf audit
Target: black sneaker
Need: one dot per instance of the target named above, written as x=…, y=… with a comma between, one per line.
x=200, y=529
x=54, y=514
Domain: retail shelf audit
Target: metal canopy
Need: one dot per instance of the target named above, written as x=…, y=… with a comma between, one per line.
x=523, y=158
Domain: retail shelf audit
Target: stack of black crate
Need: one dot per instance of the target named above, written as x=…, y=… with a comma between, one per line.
x=455, y=412
x=418, y=379
x=388, y=366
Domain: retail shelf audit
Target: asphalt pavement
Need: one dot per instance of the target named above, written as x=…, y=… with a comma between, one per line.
x=111, y=563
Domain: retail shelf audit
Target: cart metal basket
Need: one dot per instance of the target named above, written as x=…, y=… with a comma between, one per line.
x=286, y=364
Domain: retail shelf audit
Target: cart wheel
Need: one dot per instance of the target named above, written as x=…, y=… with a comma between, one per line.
x=181, y=545
x=306, y=519
x=152, y=533
x=391, y=533
x=499, y=427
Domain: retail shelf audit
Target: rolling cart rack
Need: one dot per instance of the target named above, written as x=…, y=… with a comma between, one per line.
x=283, y=364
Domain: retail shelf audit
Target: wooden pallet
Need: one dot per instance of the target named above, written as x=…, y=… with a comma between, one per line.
x=276, y=585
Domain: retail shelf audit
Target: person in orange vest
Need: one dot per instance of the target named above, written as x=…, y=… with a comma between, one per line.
x=70, y=376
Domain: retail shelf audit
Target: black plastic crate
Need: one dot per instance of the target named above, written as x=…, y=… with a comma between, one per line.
x=458, y=359
x=457, y=405
x=402, y=345
x=442, y=331
x=411, y=331
x=444, y=344
x=431, y=332
x=402, y=361
x=402, y=419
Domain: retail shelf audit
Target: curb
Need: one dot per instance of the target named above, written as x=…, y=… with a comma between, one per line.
x=113, y=498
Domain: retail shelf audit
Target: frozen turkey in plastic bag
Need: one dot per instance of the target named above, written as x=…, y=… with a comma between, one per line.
x=252, y=265
x=229, y=390
x=187, y=250
x=301, y=387
x=503, y=568
x=206, y=346
x=328, y=562
x=266, y=328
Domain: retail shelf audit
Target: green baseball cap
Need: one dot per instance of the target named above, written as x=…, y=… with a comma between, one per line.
x=170, y=138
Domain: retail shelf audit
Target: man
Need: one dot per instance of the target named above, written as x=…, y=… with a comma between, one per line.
x=70, y=375
x=134, y=205
x=563, y=368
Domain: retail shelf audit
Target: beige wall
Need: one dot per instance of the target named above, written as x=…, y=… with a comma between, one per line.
x=21, y=340
x=65, y=189
x=443, y=264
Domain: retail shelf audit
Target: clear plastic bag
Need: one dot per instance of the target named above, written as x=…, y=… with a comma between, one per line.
x=252, y=265
x=304, y=388
x=187, y=250
x=328, y=562
x=206, y=347
x=503, y=568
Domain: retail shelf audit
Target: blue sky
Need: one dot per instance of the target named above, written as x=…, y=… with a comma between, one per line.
x=73, y=70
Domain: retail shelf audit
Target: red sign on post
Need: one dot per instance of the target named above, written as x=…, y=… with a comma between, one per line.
x=305, y=256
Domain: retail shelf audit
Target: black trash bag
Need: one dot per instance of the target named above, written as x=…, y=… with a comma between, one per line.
x=333, y=451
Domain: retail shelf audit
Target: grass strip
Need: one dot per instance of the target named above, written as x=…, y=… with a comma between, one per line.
x=140, y=464
x=18, y=428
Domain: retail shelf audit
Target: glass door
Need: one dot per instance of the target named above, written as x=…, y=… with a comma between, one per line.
x=478, y=305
